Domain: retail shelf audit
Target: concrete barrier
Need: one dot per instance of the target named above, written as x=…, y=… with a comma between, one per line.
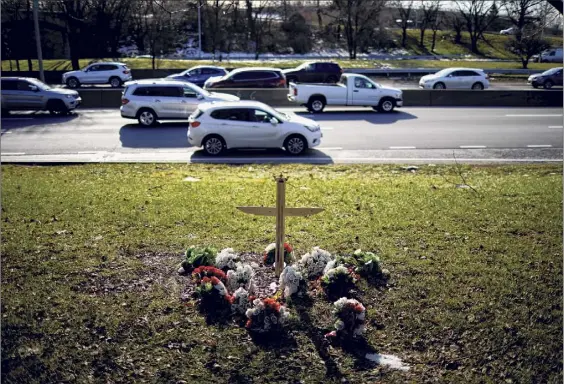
x=111, y=98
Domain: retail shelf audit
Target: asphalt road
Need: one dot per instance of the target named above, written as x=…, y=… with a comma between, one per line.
x=349, y=135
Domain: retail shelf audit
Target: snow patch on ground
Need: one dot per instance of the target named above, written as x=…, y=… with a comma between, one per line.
x=389, y=360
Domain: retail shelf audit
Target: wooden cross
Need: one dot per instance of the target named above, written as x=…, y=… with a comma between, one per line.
x=280, y=211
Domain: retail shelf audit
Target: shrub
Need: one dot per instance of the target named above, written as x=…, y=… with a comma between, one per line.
x=205, y=271
x=292, y=282
x=269, y=254
x=242, y=276
x=337, y=282
x=227, y=259
x=349, y=317
x=195, y=257
x=266, y=316
x=313, y=264
x=240, y=301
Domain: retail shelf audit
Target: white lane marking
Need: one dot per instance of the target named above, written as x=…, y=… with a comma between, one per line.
x=472, y=146
x=555, y=127
x=17, y=118
x=329, y=148
x=533, y=115
x=6, y=131
x=539, y=146
x=12, y=153
x=402, y=147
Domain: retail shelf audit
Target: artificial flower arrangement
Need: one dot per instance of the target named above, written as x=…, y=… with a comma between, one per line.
x=368, y=265
x=266, y=316
x=210, y=288
x=292, y=282
x=269, y=254
x=241, y=301
x=241, y=276
x=227, y=259
x=312, y=264
x=195, y=257
x=349, y=317
x=338, y=281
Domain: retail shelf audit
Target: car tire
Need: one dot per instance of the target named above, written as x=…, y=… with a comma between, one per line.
x=115, y=82
x=214, y=145
x=72, y=82
x=548, y=84
x=147, y=117
x=316, y=104
x=477, y=86
x=332, y=79
x=386, y=105
x=295, y=145
x=439, y=85
x=57, y=107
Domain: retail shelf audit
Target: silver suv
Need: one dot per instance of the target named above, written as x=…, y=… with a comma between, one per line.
x=28, y=94
x=160, y=99
x=111, y=73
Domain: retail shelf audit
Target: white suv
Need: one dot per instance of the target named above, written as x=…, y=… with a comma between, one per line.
x=159, y=99
x=250, y=124
x=114, y=74
x=456, y=78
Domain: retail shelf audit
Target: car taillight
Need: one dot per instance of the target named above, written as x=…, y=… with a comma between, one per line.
x=124, y=101
x=126, y=72
x=295, y=91
x=195, y=124
x=282, y=82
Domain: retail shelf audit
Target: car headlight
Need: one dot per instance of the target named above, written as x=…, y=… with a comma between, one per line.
x=69, y=96
x=398, y=95
x=314, y=128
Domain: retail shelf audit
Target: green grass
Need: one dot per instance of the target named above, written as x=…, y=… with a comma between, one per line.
x=90, y=292
x=494, y=49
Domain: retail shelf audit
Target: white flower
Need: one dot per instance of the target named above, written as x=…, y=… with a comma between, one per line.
x=358, y=252
x=313, y=263
x=221, y=288
x=227, y=258
x=241, y=276
x=270, y=247
x=339, y=325
x=290, y=280
x=241, y=301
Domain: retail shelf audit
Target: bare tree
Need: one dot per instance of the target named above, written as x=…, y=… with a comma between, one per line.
x=522, y=13
x=358, y=16
x=429, y=10
x=218, y=22
x=526, y=47
x=478, y=16
x=404, y=9
x=256, y=22
x=456, y=21
x=319, y=15
x=436, y=24
x=75, y=14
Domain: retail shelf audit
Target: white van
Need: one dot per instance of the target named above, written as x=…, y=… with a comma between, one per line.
x=553, y=55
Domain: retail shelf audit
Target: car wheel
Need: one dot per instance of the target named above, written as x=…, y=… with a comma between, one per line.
x=439, y=86
x=57, y=107
x=72, y=82
x=386, y=105
x=115, y=82
x=332, y=79
x=295, y=145
x=213, y=145
x=316, y=104
x=548, y=84
x=478, y=86
x=147, y=117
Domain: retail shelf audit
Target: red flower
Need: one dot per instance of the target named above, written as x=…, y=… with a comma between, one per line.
x=252, y=298
x=288, y=248
x=214, y=280
x=248, y=324
x=358, y=308
x=205, y=280
x=331, y=334
x=230, y=299
x=272, y=304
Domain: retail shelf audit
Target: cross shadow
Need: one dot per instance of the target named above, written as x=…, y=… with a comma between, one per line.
x=162, y=135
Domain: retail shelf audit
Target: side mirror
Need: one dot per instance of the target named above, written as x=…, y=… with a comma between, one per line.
x=200, y=97
x=34, y=88
x=274, y=121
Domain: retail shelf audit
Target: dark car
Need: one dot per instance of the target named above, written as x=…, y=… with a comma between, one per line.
x=198, y=75
x=249, y=78
x=321, y=72
x=547, y=79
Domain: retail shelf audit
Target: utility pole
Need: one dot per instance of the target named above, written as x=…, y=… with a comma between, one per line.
x=38, y=39
x=200, y=28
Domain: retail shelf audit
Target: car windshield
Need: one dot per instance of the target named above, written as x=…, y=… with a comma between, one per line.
x=201, y=91
x=41, y=85
x=551, y=71
x=186, y=72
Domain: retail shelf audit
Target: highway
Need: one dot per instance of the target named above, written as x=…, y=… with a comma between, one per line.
x=349, y=135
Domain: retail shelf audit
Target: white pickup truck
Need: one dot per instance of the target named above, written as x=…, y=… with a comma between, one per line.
x=352, y=89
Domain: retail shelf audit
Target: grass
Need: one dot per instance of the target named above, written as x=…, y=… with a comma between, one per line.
x=493, y=49
x=90, y=292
